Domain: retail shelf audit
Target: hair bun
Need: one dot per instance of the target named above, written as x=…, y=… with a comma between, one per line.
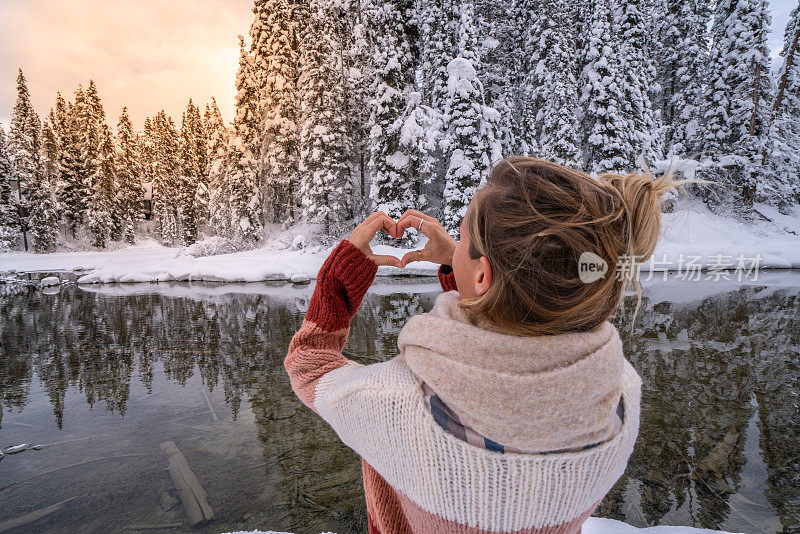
x=641, y=196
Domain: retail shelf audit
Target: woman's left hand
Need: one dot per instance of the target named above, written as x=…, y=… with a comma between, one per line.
x=365, y=232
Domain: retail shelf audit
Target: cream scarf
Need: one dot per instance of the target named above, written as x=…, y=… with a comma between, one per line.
x=531, y=393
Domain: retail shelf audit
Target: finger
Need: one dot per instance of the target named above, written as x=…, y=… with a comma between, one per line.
x=412, y=221
x=385, y=223
x=383, y=259
x=414, y=255
x=371, y=217
x=364, y=224
x=417, y=214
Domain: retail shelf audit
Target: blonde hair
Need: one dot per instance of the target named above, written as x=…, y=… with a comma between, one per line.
x=534, y=219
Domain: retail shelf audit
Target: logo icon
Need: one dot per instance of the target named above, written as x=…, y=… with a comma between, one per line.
x=591, y=267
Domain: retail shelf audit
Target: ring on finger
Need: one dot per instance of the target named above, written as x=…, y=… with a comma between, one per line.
x=420, y=224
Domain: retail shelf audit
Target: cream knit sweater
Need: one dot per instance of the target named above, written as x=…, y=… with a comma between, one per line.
x=420, y=478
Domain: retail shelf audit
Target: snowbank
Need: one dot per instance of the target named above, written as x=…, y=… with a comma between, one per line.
x=155, y=263
x=594, y=525
x=692, y=235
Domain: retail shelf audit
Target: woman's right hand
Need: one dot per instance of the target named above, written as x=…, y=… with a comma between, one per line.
x=440, y=245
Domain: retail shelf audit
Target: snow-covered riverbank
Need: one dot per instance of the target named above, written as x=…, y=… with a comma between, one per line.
x=692, y=237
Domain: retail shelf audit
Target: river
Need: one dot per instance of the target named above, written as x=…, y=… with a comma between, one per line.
x=102, y=375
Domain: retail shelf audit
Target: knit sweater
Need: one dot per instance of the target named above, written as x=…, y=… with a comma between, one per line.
x=420, y=478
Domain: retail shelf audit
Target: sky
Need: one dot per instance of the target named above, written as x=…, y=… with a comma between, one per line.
x=145, y=54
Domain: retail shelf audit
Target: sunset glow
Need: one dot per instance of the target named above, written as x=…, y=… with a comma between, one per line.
x=144, y=54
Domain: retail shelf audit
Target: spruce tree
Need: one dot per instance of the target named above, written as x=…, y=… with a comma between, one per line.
x=74, y=190
x=25, y=143
x=605, y=131
x=44, y=212
x=98, y=157
x=681, y=51
x=243, y=150
x=553, y=97
x=166, y=176
x=470, y=141
x=631, y=30
x=498, y=68
x=191, y=129
x=219, y=187
x=782, y=151
x=129, y=174
x=393, y=187
x=146, y=144
x=421, y=133
x=276, y=51
x=325, y=187
x=739, y=92
x=355, y=29
x=439, y=31
x=198, y=127
x=9, y=218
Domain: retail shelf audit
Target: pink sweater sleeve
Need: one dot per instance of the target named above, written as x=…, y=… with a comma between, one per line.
x=316, y=349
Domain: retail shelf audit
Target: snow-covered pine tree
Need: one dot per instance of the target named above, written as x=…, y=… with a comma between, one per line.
x=198, y=127
x=553, y=97
x=101, y=204
x=128, y=173
x=394, y=187
x=499, y=54
x=782, y=152
x=91, y=116
x=325, y=187
x=630, y=28
x=276, y=51
x=25, y=143
x=243, y=150
x=739, y=92
x=438, y=23
x=74, y=191
x=789, y=75
x=50, y=150
x=470, y=141
x=219, y=188
x=9, y=218
x=44, y=212
x=146, y=144
x=355, y=37
x=421, y=132
x=190, y=173
x=166, y=176
x=98, y=156
x=606, y=136
x=681, y=52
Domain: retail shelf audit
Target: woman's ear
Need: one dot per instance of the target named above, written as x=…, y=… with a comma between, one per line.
x=483, y=276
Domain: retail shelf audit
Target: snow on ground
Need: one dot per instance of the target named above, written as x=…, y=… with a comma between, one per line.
x=594, y=525
x=690, y=235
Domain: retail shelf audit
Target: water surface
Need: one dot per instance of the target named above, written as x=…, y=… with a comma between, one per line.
x=102, y=375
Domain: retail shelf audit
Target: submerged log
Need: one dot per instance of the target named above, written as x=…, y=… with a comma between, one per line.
x=208, y=403
x=192, y=495
x=33, y=516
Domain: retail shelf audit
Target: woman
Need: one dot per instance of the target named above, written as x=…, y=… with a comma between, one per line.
x=510, y=407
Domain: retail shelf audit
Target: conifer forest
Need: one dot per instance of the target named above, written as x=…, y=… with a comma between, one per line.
x=344, y=107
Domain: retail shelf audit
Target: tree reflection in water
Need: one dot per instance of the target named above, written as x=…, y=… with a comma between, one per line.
x=720, y=381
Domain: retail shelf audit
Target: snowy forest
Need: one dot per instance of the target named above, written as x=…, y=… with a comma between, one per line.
x=348, y=106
